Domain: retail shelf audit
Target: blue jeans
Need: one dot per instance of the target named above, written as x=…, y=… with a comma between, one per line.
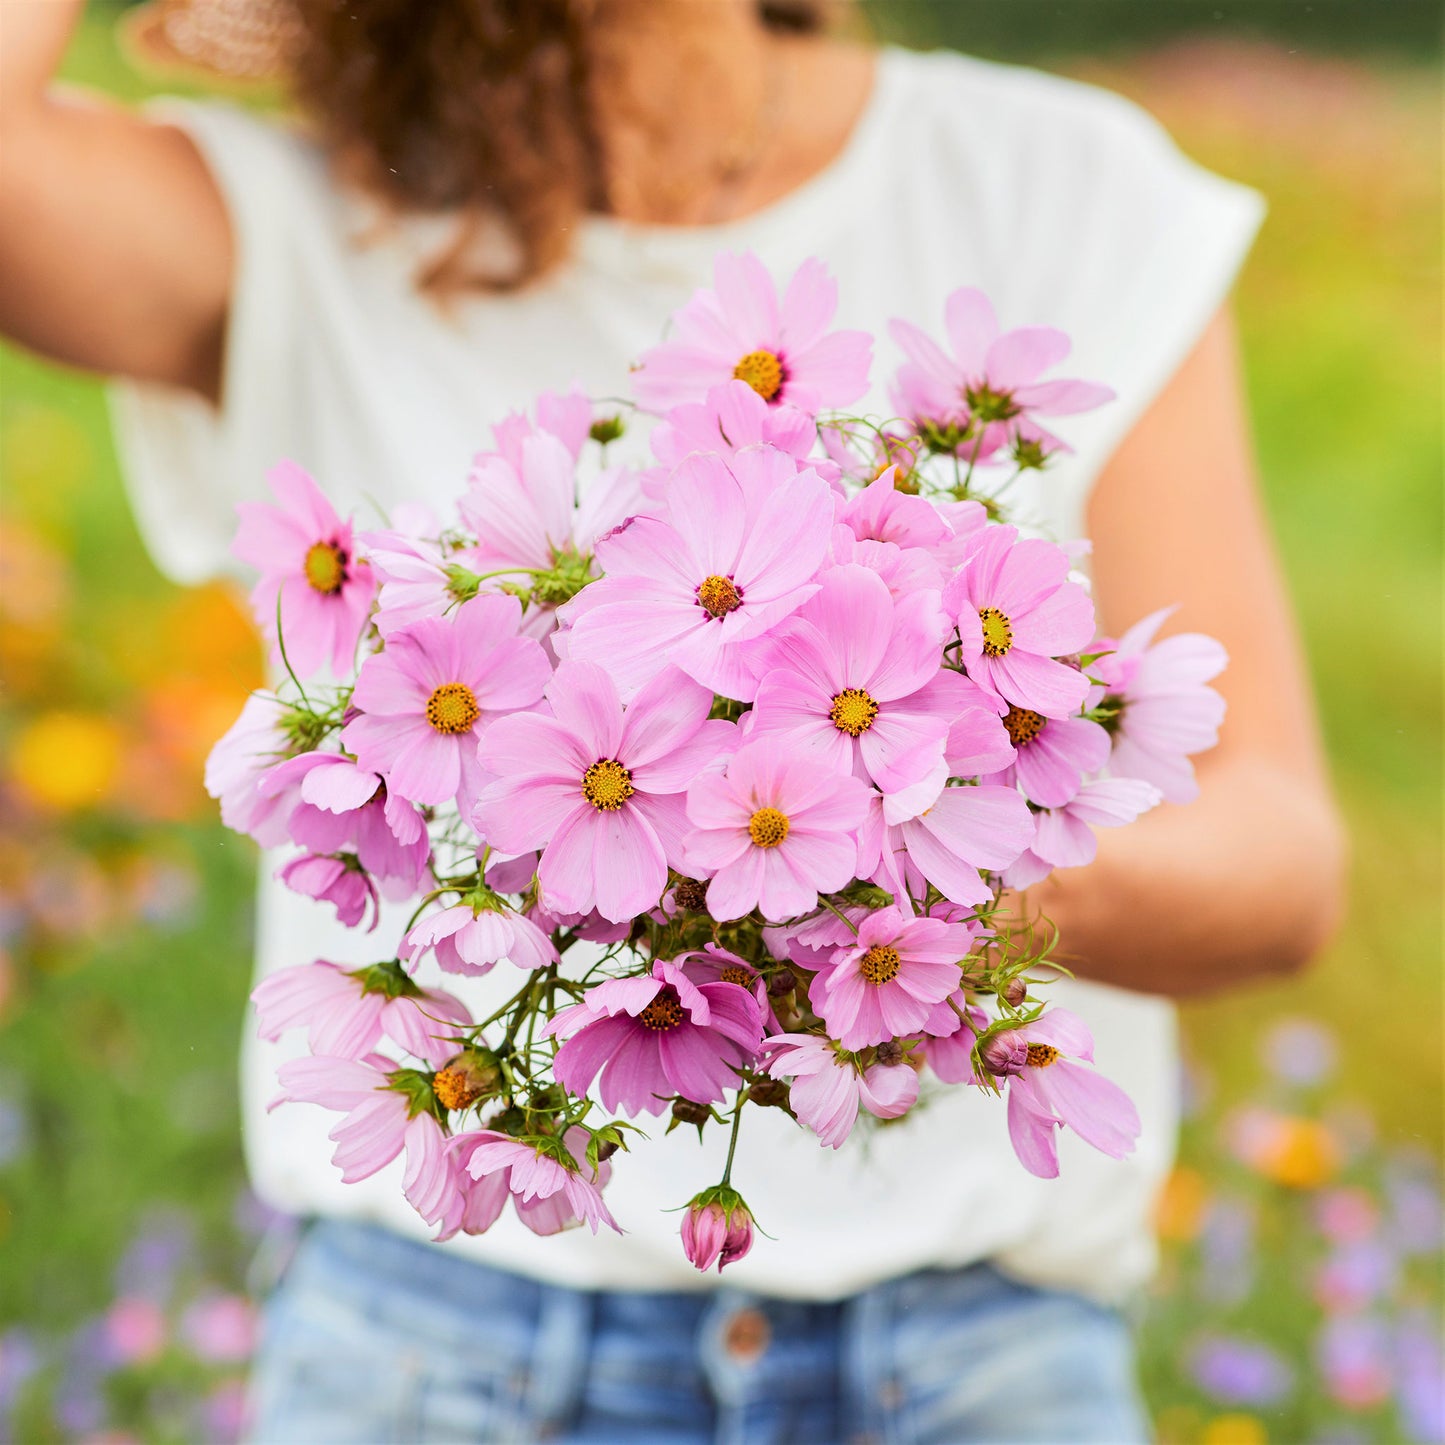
x=372, y=1338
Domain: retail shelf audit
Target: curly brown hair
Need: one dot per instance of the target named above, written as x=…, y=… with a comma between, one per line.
x=481, y=108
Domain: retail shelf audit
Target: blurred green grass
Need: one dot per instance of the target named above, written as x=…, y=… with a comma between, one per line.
x=119, y=1040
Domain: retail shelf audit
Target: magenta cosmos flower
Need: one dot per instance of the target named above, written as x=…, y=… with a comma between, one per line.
x=345, y=1012
x=732, y=417
x=717, y=1228
x=829, y=1086
x=472, y=936
x=307, y=560
x=598, y=788
x=740, y=330
x=1054, y=755
x=773, y=833
x=1017, y=613
x=417, y=578
x=1064, y=837
x=1052, y=1091
x=426, y=699
x=730, y=560
x=992, y=384
x=885, y=983
x=655, y=1037
x=1166, y=711
x=550, y=1188
x=337, y=879
x=854, y=680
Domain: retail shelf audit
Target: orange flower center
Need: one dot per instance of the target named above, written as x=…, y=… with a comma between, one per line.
x=853, y=711
x=762, y=371
x=880, y=963
x=736, y=973
x=325, y=567
x=768, y=827
x=663, y=1013
x=1042, y=1055
x=718, y=596
x=998, y=633
x=607, y=785
x=452, y=708
x=1023, y=726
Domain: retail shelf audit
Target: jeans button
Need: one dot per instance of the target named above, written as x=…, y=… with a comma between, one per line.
x=746, y=1335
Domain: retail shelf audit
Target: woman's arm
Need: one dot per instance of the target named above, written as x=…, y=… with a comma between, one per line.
x=1249, y=879
x=115, y=249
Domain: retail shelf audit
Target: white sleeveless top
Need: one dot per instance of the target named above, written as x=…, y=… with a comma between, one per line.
x=1069, y=207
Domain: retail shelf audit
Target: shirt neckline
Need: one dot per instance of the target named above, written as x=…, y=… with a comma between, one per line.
x=612, y=242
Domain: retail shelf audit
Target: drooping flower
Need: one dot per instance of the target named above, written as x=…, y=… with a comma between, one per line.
x=307, y=559
x=337, y=879
x=1064, y=837
x=254, y=743
x=773, y=833
x=346, y=1012
x=829, y=1086
x=427, y=698
x=1166, y=710
x=990, y=389
x=1017, y=613
x=951, y=1031
x=740, y=330
x=717, y=1228
x=735, y=554
x=598, y=788
x=478, y=932
x=1054, y=755
x=1053, y=1091
x=550, y=1184
x=885, y=982
x=650, y=1038
x=854, y=680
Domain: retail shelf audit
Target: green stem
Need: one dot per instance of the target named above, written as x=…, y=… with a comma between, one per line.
x=733, y=1141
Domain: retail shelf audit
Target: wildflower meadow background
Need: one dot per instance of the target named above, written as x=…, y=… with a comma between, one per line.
x=1301, y=1290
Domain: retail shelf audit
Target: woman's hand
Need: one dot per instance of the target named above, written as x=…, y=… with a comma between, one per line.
x=115, y=248
x=1249, y=879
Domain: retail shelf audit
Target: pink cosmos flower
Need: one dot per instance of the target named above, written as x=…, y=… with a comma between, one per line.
x=773, y=833
x=307, y=559
x=657, y=1036
x=564, y=415
x=427, y=698
x=881, y=513
x=378, y=1125
x=339, y=880
x=853, y=679
x=548, y=1194
x=599, y=788
x=783, y=350
x=717, y=1229
x=1064, y=837
x=735, y=554
x=254, y=743
x=346, y=1012
x=339, y=806
x=885, y=983
x=991, y=385
x=904, y=571
x=1052, y=1091
x=1054, y=755
x=1166, y=710
x=1017, y=612
x=829, y=1086
x=472, y=936
x=715, y=964
x=417, y=578
x=950, y=1033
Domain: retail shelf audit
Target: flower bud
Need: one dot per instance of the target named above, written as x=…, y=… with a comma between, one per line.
x=769, y=1093
x=890, y=1051
x=783, y=982
x=717, y=1228
x=1005, y=1053
x=1014, y=992
x=688, y=1111
x=690, y=895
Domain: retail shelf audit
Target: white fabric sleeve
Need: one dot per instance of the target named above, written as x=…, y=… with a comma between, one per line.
x=186, y=463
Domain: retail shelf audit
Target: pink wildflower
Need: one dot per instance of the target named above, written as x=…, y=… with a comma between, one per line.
x=773, y=833
x=990, y=388
x=1054, y=755
x=472, y=936
x=550, y=1188
x=1064, y=837
x=338, y=879
x=881, y=513
x=254, y=743
x=418, y=579
x=599, y=788
x=427, y=698
x=657, y=1036
x=1166, y=710
x=885, y=982
x=950, y=1033
x=728, y=562
x=1052, y=1092
x=1017, y=613
x=567, y=416
x=740, y=330
x=829, y=1086
x=307, y=559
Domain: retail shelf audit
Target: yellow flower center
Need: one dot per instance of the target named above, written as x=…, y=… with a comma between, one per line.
x=1042, y=1055
x=452, y=708
x=1023, y=726
x=736, y=973
x=768, y=827
x=998, y=633
x=762, y=371
x=880, y=963
x=663, y=1013
x=325, y=567
x=718, y=596
x=853, y=711
x=455, y=1088
x=607, y=785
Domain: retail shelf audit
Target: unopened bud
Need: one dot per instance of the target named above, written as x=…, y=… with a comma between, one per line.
x=784, y=981
x=770, y=1093
x=1014, y=992
x=890, y=1051
x=606, y=1149
x=717, y=1228
x=465, y=1078
x=688, y=1111
x=690, y=895
x=1005, y=1053
x=606, y=429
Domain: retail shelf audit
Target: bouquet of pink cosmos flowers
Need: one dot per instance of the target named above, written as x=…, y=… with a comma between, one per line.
x=719, y=765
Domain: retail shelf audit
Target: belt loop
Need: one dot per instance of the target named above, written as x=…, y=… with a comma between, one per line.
x=561, y=1356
